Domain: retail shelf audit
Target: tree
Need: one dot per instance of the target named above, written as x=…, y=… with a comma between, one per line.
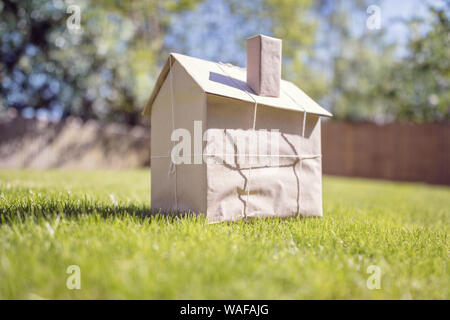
x=216, y=20
x=369, y=82
x=421, y=81
x=104, y=70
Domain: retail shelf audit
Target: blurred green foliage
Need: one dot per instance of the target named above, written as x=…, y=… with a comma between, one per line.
x=421, y=82
x=370, y=83
x=102, y=71
x=106, y=70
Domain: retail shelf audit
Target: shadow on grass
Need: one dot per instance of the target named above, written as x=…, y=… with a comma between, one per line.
x=49, y=209
x=36, y=208
x=46, y=209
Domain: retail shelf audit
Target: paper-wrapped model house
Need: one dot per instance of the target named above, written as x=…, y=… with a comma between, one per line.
x=233, y=143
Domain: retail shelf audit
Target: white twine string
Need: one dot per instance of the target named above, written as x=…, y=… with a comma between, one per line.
x=304, y=112
x=303, y=136
x=312, y=156
x=172, y=166
x=253, y=131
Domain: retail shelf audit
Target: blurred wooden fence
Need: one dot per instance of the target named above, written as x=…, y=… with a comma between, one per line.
x=405, y=152
x=30, y=143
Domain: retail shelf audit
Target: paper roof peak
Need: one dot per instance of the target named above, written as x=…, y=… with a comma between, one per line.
x=229, y=81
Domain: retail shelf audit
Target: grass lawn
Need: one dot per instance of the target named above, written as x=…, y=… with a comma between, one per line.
x=97, y=221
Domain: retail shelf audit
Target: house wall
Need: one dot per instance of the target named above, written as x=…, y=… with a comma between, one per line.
x=225, y=113
x=281, y=189
x=189, y=105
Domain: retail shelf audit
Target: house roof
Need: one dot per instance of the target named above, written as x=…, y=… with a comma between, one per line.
x=230, y=81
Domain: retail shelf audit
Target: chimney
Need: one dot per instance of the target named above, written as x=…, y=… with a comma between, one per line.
x=264, y=65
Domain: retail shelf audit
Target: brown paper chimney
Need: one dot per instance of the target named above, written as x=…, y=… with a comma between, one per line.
x=264, y=65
